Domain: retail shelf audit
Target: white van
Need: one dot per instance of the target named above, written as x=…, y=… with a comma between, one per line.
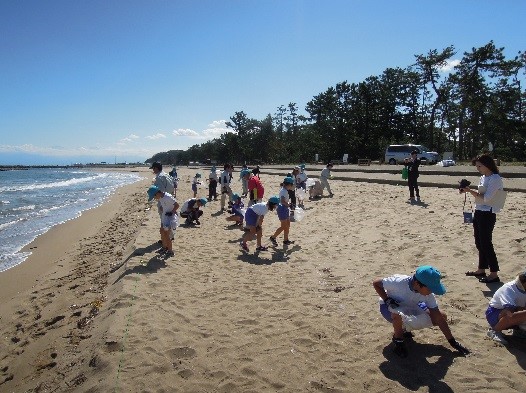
x=396, y=154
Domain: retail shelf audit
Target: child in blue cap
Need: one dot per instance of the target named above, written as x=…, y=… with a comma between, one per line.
x=284, y=212
x=237, y=215
x=254, y=220
x=191, y=211
x=169, y=218
x=408, y=303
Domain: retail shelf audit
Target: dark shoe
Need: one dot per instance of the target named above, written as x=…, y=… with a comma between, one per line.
x=273, y=241
x=475, y=274
x=400, y=348
x=287, y=242
x=261, y=248
x=487, y=280
x=197, y=222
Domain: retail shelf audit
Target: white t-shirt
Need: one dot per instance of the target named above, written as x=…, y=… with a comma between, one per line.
x=300, y=178
x=164, y=182
x=259, y=208
x=490, y=185
x=225, y=178
x=398, y=287
x=325, y=173
x=284, y=193
x=167, y=202
x=508, y=296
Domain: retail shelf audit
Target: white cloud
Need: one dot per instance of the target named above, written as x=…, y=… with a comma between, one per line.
x=185, y=132
x=156, y=136
x=216, y=129
x=129, y=138
x=450, y=64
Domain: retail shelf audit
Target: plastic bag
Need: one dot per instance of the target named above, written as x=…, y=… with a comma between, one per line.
x=299, y=213
x=405, y=173
x=300, y=193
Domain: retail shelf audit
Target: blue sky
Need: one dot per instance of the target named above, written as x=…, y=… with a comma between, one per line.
x=91, y=81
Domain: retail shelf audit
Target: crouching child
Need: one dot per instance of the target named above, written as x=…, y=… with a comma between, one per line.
x=191, y=211
x=408, y=303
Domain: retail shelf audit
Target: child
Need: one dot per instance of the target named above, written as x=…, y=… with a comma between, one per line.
x=325, y=175
x=254, y=219
x=175, y=179
x=301, y=183
x=244, y=181
x=237, y=216
x=169, y=219
x=191, y=211
x=408, y=302
x=284, y=212
x=255, y=188
x=195, y=183
x=507, y=309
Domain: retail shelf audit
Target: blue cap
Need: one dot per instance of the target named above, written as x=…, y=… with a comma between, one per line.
x=235, y=196
x=197, y=175
x=274, y=200
x=288, y=180
x=152, y=191
x=203, y=201
x=430, y=277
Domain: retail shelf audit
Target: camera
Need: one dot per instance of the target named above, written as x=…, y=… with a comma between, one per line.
x=463, y=184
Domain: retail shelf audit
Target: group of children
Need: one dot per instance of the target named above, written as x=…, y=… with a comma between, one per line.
x=407, y=302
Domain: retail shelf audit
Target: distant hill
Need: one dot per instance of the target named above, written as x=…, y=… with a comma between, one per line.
x=168, y=157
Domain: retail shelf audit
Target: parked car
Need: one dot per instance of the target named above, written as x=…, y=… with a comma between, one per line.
x=396, y=154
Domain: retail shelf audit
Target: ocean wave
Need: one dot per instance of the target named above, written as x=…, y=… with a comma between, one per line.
x=21, y=208
x=57, y=184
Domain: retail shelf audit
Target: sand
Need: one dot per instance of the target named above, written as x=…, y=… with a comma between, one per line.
x=95, y=309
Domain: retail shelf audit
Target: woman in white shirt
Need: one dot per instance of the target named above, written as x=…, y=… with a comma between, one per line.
x=485, y=218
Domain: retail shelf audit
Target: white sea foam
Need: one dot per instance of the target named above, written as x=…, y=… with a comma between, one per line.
x=58, y=184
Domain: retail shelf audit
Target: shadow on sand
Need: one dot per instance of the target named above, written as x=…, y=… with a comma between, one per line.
x=425, y=366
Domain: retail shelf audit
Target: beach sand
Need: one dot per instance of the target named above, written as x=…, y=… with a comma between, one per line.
x=95, y=309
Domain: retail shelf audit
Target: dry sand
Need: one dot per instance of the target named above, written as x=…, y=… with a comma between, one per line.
x=94, y=309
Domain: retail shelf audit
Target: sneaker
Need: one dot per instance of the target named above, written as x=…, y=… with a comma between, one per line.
x=518, y=332
x=197, y=222
x=273, y=241
x=287, y=242
x=169, y=254
x=400, y=348
x=161, y=251
x=497, y=336
x=261, y=248
x=244, y=246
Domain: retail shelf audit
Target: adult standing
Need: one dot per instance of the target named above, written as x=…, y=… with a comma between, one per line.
x=226, y=178
x=212, y=184
x=485, y=218
x=412, y=165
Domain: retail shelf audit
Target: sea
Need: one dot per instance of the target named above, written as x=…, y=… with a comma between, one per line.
x=33, y=201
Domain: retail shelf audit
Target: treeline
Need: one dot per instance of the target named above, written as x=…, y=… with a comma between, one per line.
x=477, y=106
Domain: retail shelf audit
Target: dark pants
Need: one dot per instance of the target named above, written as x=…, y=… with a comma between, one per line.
x=483, y=224
x=412, y=183
x=212, y=189
x=292, y=197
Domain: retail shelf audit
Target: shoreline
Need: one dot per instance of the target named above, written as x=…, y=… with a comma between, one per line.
x=111, y=315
